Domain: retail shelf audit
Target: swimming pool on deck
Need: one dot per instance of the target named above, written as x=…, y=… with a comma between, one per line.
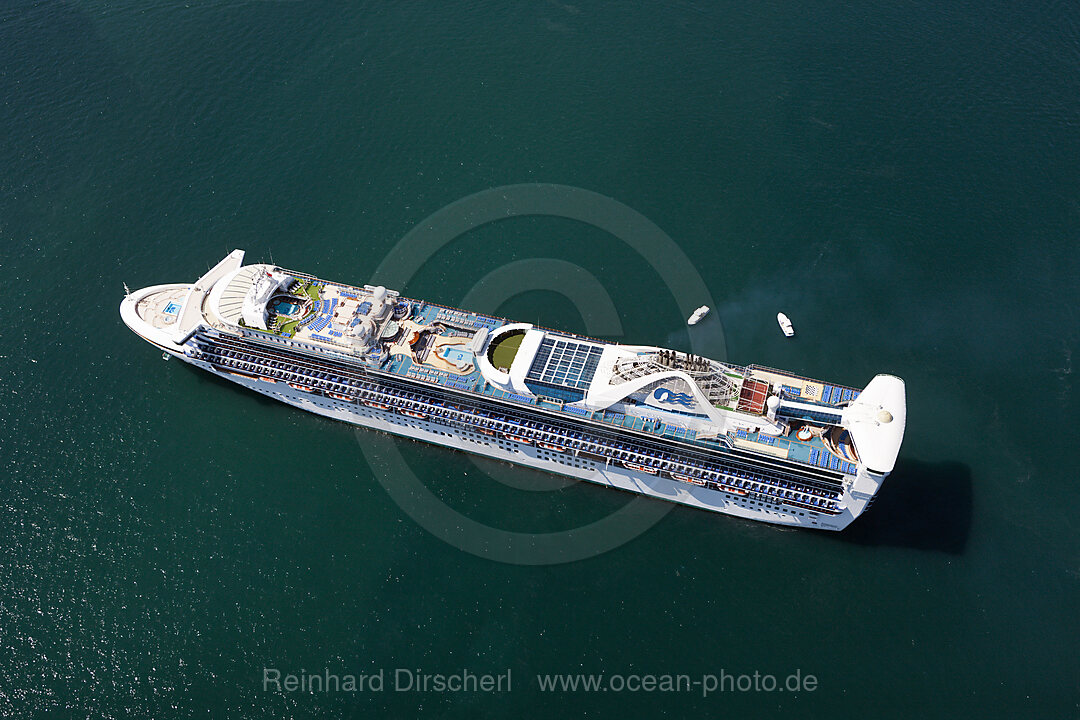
x=457, y=357
x=286, y=308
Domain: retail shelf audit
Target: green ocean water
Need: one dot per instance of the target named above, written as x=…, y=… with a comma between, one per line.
x=900, y=178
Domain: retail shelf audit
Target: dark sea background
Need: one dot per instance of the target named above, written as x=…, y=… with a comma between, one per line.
x=899, y=177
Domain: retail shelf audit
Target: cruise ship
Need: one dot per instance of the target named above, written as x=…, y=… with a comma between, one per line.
x=750, y=441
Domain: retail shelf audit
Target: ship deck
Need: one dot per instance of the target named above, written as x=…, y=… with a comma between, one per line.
x=445, y=360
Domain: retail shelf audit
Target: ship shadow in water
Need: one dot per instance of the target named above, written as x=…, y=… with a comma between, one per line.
x=924, y=506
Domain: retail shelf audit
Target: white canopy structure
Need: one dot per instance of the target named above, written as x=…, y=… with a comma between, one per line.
x=876, y=421
x=254, y=309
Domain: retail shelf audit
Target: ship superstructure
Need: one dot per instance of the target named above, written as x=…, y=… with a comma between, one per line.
x=750, y=441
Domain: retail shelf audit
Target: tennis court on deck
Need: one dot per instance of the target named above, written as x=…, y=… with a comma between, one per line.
x=752, y=396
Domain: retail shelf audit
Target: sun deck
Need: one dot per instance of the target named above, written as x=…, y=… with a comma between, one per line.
x=796, y=386
x=460, y=324
x=438, y=345
x=161, y=309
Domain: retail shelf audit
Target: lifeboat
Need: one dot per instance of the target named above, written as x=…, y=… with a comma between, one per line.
x=638, y=468
x=732, y=490
x=687, y=479
x=336, y=396
x=549, y=446
x=486, y=431
x=377, y=406
x=301, y=388
x=414, y=414
x=518, y=438
x=267, y=379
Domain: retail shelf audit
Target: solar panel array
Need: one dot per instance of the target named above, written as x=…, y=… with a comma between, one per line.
x=565, y=363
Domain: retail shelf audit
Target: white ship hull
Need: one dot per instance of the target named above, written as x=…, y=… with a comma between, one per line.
x=612, y=475
x=644, y=419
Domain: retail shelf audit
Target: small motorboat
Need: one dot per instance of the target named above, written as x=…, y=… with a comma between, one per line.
x=697, y=315
x=785, y=324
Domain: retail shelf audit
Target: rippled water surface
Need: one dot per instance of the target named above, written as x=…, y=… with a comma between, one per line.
x=900, y=178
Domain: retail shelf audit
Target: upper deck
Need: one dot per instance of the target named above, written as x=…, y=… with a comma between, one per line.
x=644, y=389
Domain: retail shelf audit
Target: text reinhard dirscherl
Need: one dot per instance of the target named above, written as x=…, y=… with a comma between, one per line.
x=400, y=680
x=410, y=680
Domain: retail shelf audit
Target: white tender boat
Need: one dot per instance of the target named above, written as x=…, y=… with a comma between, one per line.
x=695, y=318
x=785, y=324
